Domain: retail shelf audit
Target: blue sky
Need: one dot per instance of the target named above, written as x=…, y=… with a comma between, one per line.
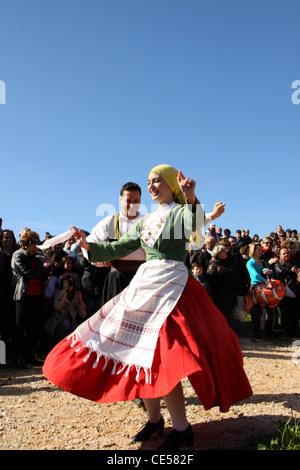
x=99, y=91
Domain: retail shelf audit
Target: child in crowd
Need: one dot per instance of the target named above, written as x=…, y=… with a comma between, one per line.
x=67, y=263
x=197, y=271
x=69, y=310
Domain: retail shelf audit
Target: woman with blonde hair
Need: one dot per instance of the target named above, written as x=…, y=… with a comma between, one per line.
x=29, y=271
x=258, y=272
x=126, y=350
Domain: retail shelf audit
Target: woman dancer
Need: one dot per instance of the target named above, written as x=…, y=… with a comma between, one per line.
x=126, y=350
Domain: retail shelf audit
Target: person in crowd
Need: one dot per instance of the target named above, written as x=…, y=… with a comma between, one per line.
x=223, y=282
x=232, y=241
x=197, y=270
x=47, y=236
x=244, y=251
x=57, y=253
x=204, y=256
x=276, y=249
x=211, y=231
x=294, y=254
x=22, y=232
x=219, y=233
x=68, y=245
x=258, y=272
x=190, y=255
x=237, y=263
x=268, y=255
x=92, y=281
x=72, y=249
x=182, y=318
x=278, y=232
x=287, y=271
x=8, y=246
x=255, y=238
x=68, y=267
x=30, y=272
x=227, y=233
x=69, y=310
x=242, y=238
x=239, y=239
x=294, y=236
x=50, y=287
x=247, y=238
x=288, y=233
x=282, y=236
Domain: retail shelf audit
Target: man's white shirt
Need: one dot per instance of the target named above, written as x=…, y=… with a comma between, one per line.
x=100, y=233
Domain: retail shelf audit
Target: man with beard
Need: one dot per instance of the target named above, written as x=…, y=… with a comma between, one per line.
x=286, y=271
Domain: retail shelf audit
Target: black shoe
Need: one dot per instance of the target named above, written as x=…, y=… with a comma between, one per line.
x=149, y=430
x=177, y=439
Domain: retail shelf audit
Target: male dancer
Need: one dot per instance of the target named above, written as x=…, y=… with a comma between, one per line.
x=112, y=228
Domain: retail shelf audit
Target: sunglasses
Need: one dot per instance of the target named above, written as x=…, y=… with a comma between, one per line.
x=34, y=242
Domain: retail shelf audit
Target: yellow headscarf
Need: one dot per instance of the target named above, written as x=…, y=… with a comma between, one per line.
x=169, y=174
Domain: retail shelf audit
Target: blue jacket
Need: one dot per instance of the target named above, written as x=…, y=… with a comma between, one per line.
x=255, y=272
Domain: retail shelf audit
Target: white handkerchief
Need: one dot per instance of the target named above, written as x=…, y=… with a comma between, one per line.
x=57, y=239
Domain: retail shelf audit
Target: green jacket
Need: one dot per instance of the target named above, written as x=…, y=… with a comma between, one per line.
x=171, y=244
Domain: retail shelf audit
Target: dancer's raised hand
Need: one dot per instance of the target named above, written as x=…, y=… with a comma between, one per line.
x=187, y=186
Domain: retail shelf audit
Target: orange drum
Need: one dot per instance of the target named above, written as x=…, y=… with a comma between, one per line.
x=268, y=296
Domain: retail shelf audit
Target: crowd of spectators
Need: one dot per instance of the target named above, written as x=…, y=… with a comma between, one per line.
x=45, y=294
x=232, y=265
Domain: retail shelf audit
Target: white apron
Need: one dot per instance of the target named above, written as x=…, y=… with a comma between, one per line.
x=125, y=330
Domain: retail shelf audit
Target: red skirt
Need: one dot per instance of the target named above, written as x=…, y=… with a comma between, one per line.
x=195, y=341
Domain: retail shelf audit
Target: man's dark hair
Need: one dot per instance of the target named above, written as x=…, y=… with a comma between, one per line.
x=130, y=187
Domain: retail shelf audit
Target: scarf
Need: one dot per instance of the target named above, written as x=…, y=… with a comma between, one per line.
x=169, y=174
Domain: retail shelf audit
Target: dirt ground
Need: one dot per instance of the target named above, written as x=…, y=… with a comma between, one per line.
x=36, y=415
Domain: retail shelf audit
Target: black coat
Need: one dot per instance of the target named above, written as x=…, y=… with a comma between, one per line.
x=283, y=272
x=223, y=285
x=23, y=272
x=237, y=263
